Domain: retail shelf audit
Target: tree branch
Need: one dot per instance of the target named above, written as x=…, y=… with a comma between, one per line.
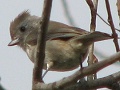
x=105, y=82
x=40, y=54
x=67, y=13
x=112, y=25
x=93, y=7
x=110, y=82
x=107, y=22
x=65, y=82
x=118, y=7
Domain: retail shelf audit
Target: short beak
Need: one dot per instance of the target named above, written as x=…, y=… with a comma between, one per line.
x=14, y=42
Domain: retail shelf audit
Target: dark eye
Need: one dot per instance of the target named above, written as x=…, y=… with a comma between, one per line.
x=22, y=28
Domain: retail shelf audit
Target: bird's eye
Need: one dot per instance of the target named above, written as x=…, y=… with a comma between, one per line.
x=22, y=28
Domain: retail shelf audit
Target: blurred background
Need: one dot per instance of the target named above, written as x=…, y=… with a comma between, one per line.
x=16, y=68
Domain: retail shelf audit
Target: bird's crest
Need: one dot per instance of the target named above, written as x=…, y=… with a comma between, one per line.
x=22, y=16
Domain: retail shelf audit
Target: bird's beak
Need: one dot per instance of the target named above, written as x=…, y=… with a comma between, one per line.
x=14, y=42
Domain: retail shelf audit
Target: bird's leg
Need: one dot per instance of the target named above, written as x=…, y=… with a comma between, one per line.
x=49, y=65
x=81, y=58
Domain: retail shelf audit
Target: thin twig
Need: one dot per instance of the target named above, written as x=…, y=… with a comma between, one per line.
x=118, y=7
x=93, y=7
x=93, y=14
x=106, y=22
x=110, y=20
x=40, y=54
x=67, y=13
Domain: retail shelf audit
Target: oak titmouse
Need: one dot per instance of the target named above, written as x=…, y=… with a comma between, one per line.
x=66, y=46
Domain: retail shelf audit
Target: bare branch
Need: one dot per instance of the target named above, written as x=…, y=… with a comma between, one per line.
x=40, y=54
x=118, y=6
x=65, y=82
x=112, y=25
x=106, y=22
x=67, y=13
x=110, y=81
x=93, y=13
x=93, y=7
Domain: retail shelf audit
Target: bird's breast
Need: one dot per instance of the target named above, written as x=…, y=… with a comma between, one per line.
x=30, y=50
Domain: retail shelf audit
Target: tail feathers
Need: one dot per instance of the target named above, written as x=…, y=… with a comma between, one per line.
x=92, y=37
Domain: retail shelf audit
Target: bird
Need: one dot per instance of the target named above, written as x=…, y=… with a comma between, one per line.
x=66, y=46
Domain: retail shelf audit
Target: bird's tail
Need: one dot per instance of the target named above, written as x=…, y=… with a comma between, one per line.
x=91, y=37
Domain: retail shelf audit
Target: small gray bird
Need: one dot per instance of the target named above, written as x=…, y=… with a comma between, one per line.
x=66, y=46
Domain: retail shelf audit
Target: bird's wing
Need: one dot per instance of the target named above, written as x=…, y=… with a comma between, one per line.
x=64, y=33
